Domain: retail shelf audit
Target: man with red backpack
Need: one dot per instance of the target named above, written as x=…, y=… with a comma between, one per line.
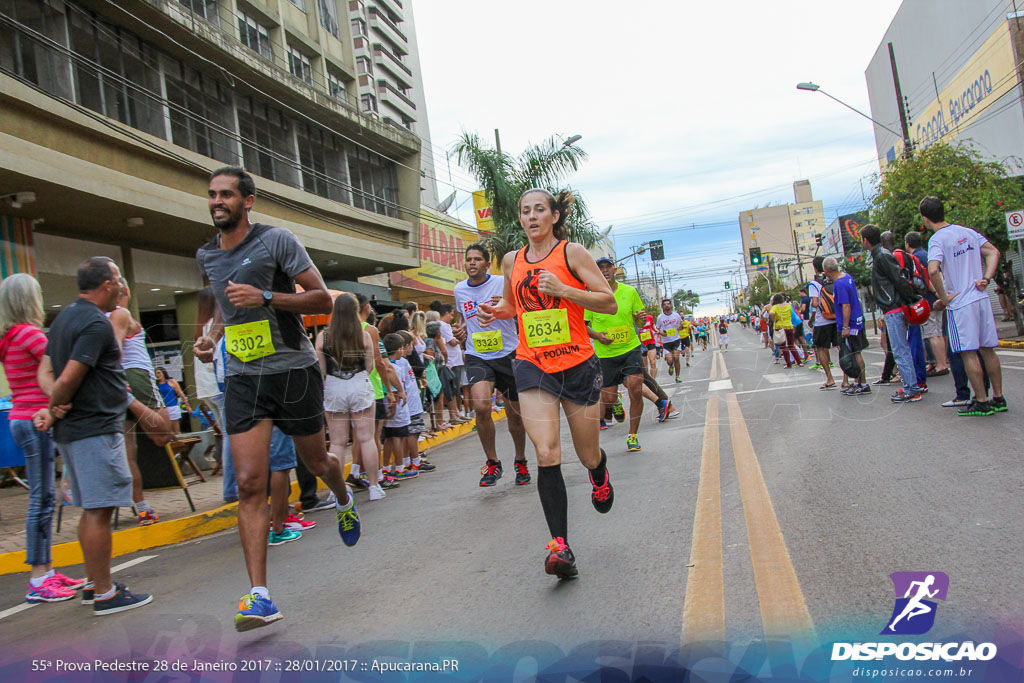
x=914, y=272
x=823, y=320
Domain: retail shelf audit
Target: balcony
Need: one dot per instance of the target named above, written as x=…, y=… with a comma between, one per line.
x=394, y=6
x=393, y=63
x=387, y=28
x=388, y=94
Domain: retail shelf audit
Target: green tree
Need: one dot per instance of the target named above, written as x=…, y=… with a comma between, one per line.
x=761, y=290
x=504, y=178
x=686, y=299
x=975, y=192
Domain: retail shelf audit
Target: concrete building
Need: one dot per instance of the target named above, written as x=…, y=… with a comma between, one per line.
x=969, y=89
x=784, y=233
x=111, y=120
x=390, y=85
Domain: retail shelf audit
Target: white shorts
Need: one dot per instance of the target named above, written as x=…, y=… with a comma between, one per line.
x=723, y=339
x=174, y=412
x=933, y=326
x=973, y=327
x=352, y=395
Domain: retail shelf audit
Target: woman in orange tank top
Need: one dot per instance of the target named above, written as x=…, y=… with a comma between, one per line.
x=548, y=284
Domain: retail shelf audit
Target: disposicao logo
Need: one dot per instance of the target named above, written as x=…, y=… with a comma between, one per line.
x=914, y=612
x=912, y=615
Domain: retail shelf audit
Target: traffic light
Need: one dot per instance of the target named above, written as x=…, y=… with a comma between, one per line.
x=817, y=239
x=755, y=256
x=727, y=284
x=657, y=250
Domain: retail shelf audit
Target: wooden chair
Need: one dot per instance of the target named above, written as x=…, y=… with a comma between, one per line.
x=220, y=435
x=181, y=449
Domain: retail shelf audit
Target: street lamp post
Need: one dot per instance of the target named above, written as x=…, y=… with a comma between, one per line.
x=907, y=144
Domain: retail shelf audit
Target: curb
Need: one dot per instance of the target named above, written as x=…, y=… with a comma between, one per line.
x=1005, y=344
x=186, y=528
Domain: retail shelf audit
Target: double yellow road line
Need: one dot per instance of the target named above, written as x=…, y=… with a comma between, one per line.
x=783, y=608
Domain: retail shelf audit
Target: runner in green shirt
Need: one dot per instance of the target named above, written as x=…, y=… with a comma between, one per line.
x=618, y=348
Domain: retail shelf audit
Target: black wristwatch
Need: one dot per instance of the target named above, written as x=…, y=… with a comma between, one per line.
x=268, y=296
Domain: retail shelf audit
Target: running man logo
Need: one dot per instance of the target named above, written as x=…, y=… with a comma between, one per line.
x=532, y=299
x=914, y=612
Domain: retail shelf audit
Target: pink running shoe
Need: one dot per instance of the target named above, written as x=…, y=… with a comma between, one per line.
x=50, y=591
x=296, y=523
x=69, y=583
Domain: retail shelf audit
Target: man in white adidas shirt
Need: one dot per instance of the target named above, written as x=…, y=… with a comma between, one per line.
x=489, y=354
x=668, y=325
x=960, y=286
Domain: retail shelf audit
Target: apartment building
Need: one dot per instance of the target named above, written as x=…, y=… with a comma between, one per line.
x=785, y=233
x=112, y=115
x=390, y=84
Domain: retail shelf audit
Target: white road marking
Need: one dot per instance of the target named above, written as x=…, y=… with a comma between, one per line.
x=720, y=384
x=780, y=378
x=116, y=568
x=1018, y=354
x=131, y=563
x=790, y=386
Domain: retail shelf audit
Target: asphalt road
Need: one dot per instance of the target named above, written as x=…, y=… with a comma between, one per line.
x=808, y=501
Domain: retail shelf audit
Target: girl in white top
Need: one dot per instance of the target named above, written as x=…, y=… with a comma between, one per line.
x=345, y=351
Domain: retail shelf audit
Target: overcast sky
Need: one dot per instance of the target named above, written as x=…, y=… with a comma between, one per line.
x=688, y=110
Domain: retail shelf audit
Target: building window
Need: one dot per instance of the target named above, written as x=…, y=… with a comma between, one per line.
x=365, y=65
x=324, y=164
x=31, y=59
x=369, y=102
x=301, y=4
x=300, y=65
x=336, y=88
x=255, y=36
x=799, y=224
x=329, y=17
x=267, y=143
x=201, y=113
x=207, y=9
x=374, y=186
x=358, y=28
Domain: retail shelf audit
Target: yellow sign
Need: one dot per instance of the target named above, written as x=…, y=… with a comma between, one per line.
x=547, y=328
x=986, y=77
x=443, y=242
x=249, y=341
x=488, y=342
x=482, y=211
x=621, y=334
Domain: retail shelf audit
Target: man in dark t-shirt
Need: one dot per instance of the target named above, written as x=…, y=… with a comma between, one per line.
x=88, y=398
x=273, y=376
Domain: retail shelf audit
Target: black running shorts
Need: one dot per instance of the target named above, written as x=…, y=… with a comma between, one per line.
x=498, y=371
x=615, y=369
x=825, y=336
x=293, y=400
x=579, y=384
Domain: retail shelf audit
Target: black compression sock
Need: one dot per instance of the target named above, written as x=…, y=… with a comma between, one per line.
x=599, y=473
x=551, y=487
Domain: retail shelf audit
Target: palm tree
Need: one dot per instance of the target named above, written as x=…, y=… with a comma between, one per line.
x=504, y=178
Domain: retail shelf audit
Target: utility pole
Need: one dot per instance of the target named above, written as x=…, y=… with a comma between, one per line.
x=908, y=149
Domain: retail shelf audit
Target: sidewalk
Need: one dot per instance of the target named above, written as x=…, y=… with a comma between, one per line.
x=177, y=521
x=1007, y=334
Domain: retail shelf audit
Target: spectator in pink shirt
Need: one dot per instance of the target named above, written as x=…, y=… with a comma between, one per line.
x=21, y=349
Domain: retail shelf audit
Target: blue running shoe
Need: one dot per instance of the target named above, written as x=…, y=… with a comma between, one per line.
x=348, y=523
x=662, y=409
x=255, y=611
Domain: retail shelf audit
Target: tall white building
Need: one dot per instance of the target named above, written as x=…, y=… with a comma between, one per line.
x=389, y=82
x=960, y=69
